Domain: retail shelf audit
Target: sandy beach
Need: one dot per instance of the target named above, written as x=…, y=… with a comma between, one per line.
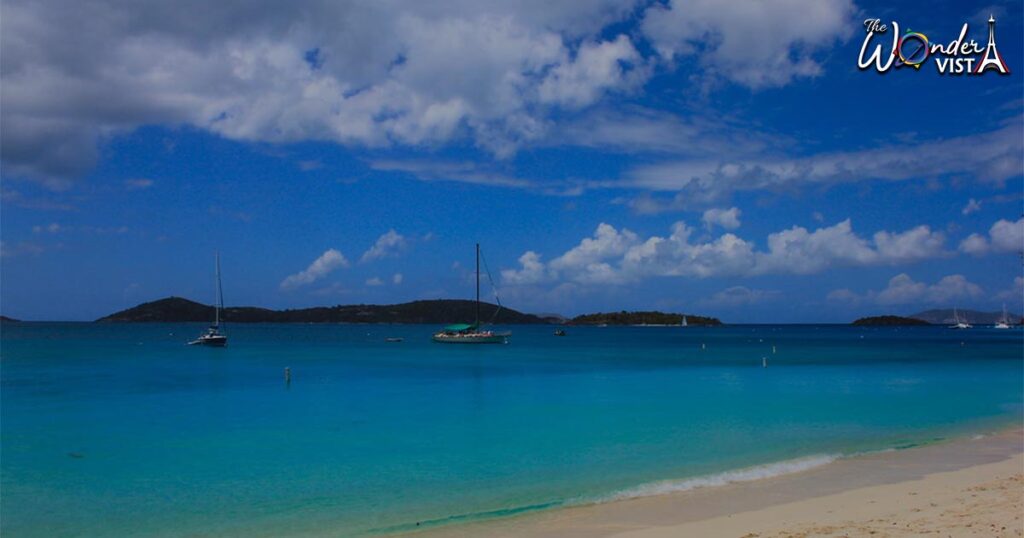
x=965, y=487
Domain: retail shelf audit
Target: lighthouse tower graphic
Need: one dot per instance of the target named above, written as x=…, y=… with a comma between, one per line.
x=992, y=59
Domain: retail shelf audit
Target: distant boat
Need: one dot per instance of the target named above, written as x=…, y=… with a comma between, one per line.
x=683, y=324
x=213, y=336
x=1004, y=322
x=394, y=339
x=470, y=333
x=958, y=323
x=559, y=332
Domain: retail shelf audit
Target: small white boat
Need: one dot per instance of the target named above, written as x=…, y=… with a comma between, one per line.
x=683, y=324
x=213, y=336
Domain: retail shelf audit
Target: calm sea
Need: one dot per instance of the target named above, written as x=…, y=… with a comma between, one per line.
x=122, y=430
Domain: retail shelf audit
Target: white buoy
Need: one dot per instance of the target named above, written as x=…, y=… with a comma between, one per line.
x=764, y=362
x=703, y=347
x=773, y=350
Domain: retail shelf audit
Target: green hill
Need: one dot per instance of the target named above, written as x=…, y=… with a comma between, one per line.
x=889, y=321
x=440, y=311
x=641, y=318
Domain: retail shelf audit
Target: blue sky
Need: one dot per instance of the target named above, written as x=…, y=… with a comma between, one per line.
x=717, y=158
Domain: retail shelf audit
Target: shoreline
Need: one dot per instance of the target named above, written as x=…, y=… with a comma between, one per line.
x=866, y=486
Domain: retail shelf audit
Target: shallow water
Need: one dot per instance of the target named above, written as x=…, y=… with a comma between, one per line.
x=113, y=430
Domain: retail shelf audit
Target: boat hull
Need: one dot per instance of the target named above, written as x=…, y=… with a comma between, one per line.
x=210, y=341
x=470, y=338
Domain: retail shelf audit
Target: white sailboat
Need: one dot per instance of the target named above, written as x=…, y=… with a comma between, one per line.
x=959, y=323
x=213, y=336
x=683, y=324
x=1004, y=322
x=471, y=333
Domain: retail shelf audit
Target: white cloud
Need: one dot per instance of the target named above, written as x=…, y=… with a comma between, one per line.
x=1015, y=293
x=992, y=157
x=365, y=74
x=975, y=244
x=374, y=281
x=758, y=44
x=741, y=296
x=612, y=256
x=1007, y=236
x=1003, y=236
x=52, y=228
x=389, y=244
x=973, y=206
x=138, y=183
x=397, y=278
x=596, y=68
x=327, y=263
x=903, y=290
x=531, y=270
x=728, y=219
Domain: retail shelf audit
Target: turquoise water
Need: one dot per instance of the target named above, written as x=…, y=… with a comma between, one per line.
x=117, y=430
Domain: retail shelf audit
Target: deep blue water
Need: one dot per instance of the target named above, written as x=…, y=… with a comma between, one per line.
x=116, y=430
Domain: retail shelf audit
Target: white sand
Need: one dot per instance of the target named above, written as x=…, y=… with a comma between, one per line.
x=971, y=487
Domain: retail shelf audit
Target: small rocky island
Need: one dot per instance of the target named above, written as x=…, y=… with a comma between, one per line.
x=888, y=321
x=647, y=318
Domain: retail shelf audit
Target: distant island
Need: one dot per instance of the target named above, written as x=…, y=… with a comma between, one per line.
x=440, y=311
x=889, y=321
x=641, y=318
x=4, y=319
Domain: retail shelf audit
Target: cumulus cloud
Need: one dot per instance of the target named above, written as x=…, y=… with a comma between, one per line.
x=327, y=263
x=389, y=244
x=612, y=256
x=364, y=74
x=726, y=218
x=759, y=44
x=902, y=290
x=1003, y=236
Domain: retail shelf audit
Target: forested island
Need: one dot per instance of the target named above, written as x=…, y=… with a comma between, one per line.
x=440, y=311
x=642, y=318
x=888, y=321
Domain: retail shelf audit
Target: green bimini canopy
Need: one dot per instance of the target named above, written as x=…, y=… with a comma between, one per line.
x=460, y=327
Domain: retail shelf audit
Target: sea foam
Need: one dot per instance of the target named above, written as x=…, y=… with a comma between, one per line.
x=747, y=474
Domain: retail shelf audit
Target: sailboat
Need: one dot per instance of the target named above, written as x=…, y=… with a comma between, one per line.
x=213, y=335
x=683, y=324
x=1004, y=322
x=959, y=323
x=470, y=333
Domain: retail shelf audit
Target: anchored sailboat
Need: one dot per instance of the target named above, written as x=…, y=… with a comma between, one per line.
x=470, y=333
x=959, y=323
x=213, y=335
x=1004, y=322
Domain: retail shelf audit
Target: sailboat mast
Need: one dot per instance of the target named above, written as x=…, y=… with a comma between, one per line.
x=220, y=293
x=477, y=284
